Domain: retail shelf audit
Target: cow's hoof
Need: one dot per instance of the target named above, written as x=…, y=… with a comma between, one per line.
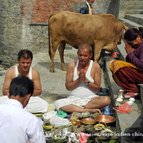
x=63, y=68
x=52, y=70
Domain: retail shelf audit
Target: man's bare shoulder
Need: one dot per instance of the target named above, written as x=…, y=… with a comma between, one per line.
x=35, y=72
x=71, y=65
x=11, y=72
x=96, y=65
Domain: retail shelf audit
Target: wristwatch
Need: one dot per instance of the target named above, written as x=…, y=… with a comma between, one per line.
x=87, y=83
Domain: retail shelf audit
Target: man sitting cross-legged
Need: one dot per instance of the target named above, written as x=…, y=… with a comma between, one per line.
x=83, y=80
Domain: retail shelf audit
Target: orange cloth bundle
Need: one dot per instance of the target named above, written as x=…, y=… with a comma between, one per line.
x=117, y=64
x=124, y=108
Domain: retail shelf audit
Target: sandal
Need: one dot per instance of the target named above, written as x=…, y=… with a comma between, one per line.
x=130, y=94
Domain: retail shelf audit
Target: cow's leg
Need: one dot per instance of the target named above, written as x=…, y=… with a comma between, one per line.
x=110, y=47
x=98, y=45
x=52, y=55
x=61, y=53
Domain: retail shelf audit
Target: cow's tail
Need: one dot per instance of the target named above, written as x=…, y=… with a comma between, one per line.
x=49, y=38
x=49, y=34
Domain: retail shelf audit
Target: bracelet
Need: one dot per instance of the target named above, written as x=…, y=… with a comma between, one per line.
x=87, y=83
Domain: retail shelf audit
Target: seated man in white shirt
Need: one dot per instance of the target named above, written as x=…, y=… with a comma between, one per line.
x=36, y=103
x=16, y=124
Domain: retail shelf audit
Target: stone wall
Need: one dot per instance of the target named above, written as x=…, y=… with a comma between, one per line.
x=23, y=24
x=10, y=30
x=123, y=6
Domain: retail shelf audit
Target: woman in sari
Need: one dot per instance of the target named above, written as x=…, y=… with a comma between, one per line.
x=128, y=74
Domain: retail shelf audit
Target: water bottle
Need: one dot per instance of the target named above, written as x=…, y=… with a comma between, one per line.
x=120, y=94
x=107, y=110
x=120, y=97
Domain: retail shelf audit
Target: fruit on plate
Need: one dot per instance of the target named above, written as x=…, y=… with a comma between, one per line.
x=99, y=127
x=38, y=114
x=75, y=122
x=105, y=134
x=47, y=127
x=89, y=129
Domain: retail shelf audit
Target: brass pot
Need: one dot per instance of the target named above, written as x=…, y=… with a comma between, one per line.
x=105, y=119
x=88, y=121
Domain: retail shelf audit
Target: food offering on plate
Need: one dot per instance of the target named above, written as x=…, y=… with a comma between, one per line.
x=47, y=127
x=77, y=115
x=83, y=115
x=74, y=116
x=106, y=134
x=89, y=129
x=75, y=122
x=38, y=114
x=99, y=127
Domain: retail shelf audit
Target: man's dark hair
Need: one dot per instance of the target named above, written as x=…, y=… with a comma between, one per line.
x=21, y=86
x=25, y=53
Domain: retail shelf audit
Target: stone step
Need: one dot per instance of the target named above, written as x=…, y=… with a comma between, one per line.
x=137, y=18
x=129, y=23
x=134, y=11
x=135, y=6
x=134, y=1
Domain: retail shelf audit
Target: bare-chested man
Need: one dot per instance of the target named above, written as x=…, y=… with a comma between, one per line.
x=83, y=79
x=25, y=57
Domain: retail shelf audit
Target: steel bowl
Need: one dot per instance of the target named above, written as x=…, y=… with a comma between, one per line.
x=105, y=119
x=88, y=121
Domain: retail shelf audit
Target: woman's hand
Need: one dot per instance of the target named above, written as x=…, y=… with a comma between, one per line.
x=128, y=48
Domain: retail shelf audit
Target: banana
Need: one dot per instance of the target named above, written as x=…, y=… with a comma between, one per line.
x=38, y=114
x=47, y=127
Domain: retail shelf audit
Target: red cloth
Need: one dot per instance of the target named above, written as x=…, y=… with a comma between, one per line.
x=83, y=137
x=124, y=108
x=128, y=78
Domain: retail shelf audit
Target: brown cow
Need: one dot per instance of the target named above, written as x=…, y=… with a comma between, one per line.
x=104, y=31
